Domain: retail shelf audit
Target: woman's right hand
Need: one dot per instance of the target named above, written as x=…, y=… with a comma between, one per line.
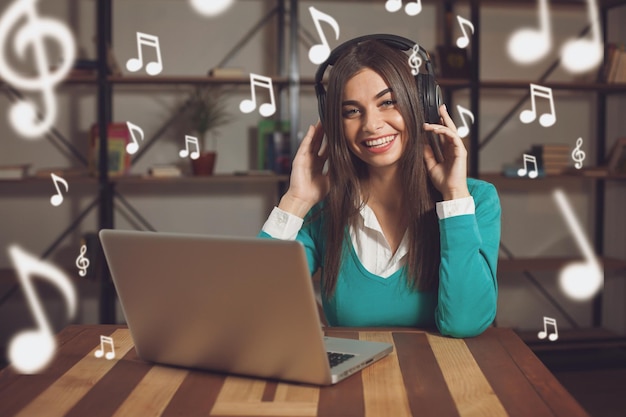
x=308, y=184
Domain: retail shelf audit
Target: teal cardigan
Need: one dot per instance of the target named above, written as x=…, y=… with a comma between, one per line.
x=465, y=304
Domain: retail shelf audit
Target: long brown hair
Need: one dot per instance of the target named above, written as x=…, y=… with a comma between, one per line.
x=346, y=171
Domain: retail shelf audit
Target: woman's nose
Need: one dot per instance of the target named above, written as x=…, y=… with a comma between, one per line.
x=373, y=121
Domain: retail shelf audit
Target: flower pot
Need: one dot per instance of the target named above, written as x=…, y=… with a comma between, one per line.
x=204, y=165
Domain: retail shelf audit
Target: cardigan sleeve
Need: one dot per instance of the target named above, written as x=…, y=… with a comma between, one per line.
x=308, y=236
x=468, y=289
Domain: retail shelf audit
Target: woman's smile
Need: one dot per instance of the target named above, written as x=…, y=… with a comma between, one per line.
x=380, y=144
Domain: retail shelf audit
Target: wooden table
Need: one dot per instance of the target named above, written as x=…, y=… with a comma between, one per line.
x=493, y=374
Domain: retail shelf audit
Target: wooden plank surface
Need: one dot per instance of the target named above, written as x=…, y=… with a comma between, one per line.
x=494, y=374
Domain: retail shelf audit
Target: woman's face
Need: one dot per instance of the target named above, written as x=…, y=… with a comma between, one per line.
x=373, y=126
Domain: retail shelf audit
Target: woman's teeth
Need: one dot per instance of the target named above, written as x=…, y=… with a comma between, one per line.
x=379, y=141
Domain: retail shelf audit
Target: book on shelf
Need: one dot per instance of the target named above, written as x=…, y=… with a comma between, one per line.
x=14, y=172
x=227, y=72
x=112, y=64
x=165, y=171
x=614, y=68
x=266, y=142
x=117, y=139
x=552, y=158
x=616, y=161
x=278, y=152
x=452, y=62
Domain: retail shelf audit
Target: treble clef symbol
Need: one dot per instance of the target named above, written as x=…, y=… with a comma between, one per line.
x=81, y=262
x=578, y=155
x=31, y=36
x=415, y=61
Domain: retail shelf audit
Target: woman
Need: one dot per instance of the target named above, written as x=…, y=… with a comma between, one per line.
x=402, y=240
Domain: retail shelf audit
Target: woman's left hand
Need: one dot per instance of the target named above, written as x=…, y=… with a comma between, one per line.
x=450, y=175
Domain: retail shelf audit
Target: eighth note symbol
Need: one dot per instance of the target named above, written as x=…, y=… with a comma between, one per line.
x=464, y=130
x=31, y=350
x=463, y=41
x=580, y=280
x=546, y=119
x=100, y=352
x=266, y=109
x=578, y=155
x=135, y=64
x=81, y=262
x=57, y=199
x=319, y=53
x=523, y=171
x=413, y=8
x=542, y=334
x=185, y=152
x=414, y=60
x=133, y=146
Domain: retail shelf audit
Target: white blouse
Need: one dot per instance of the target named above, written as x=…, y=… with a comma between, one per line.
x=366, y=235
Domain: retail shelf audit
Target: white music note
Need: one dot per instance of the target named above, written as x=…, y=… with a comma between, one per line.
x=524, y=171
x=529, y=45
x=100, y=352
x=463, y=131
x=463, y=41
x=133, y=146
x=546, y=119
x=82, y=262
x=31, y=350
x=135, y=64
x=57, y=199
x=318, y=53
x=185, y=152
x=266, y=109
x=580, y=280
x=30, y=40
x=543, y=333
x=580, y=55
x=413, y=8
x=415, y=61
x=578, y=155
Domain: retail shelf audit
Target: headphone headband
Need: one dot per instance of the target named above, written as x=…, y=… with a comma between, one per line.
x=394, y=41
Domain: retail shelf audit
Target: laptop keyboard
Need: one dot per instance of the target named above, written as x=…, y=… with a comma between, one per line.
x=335, y=358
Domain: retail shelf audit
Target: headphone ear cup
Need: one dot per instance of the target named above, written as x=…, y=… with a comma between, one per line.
x=430, y=96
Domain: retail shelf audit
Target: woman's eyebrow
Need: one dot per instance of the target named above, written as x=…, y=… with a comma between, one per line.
x=382, y=93
x=377, y=96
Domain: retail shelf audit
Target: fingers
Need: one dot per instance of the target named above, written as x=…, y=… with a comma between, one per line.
x=429, y=158
x=447, y=120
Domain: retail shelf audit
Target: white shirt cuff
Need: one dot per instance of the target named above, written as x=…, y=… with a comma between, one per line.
x=456, y=207
x=282, y=225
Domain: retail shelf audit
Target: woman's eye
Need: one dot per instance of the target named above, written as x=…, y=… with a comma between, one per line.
x=349, y=113
x=388, y=103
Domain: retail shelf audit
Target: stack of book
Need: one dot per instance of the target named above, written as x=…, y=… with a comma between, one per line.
x=614, y=68
x=164, y=171
x=14, y=172
x=553, y=158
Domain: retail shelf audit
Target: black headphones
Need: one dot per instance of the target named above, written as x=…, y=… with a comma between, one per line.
x=429, y=91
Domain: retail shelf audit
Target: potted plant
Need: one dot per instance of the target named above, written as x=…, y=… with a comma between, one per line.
x=203, y=113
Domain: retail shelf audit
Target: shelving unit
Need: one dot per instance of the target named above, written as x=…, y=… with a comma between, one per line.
x=106, y=185
x=289, y=80
x=576, y=338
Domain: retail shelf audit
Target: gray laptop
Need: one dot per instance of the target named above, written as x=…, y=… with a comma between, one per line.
x=235, y=305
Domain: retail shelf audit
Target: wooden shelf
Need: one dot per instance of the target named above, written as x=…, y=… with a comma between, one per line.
x=210, y=179
x=570, y=86
x=553, y=264
x=140, y=179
